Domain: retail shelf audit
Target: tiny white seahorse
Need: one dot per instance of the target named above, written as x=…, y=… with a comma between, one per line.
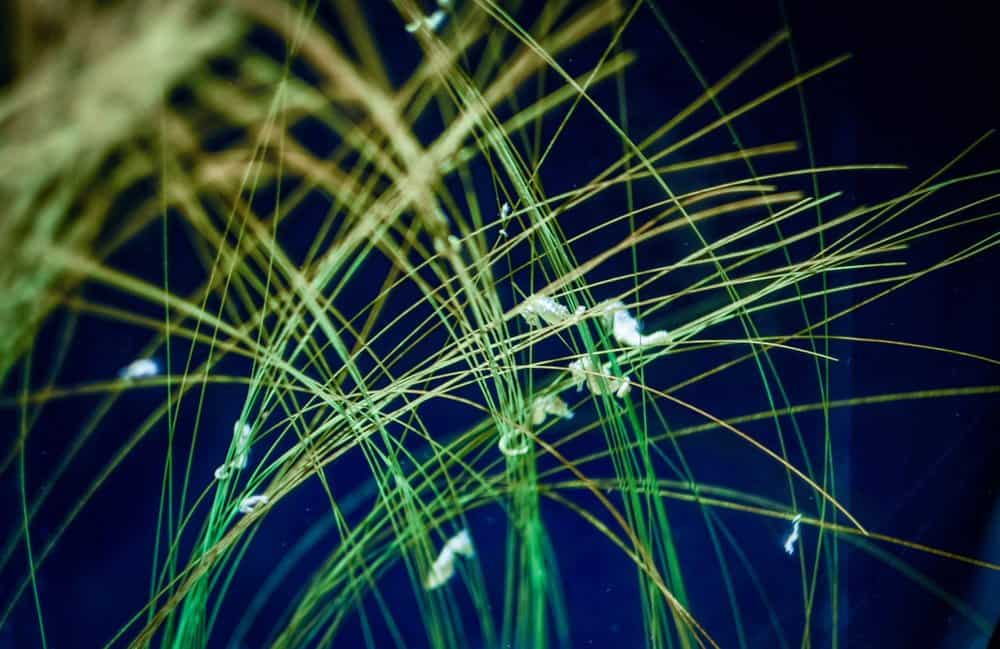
x=793, y=536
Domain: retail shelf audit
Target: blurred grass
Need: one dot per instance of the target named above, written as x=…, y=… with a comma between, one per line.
x=96, y=91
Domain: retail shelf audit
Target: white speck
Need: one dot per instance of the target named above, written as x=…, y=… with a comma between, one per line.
x=623, y=388
x=242, y=434
x=549, y=404
x=625, y=329
x=435, y=20
x=793, y=536
x=506, y=445
x=504, y=218
x=432, y=22
x=540, y=308
x=139, y=369
x=250, y=504
x=443, y=567
x=598, y=380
